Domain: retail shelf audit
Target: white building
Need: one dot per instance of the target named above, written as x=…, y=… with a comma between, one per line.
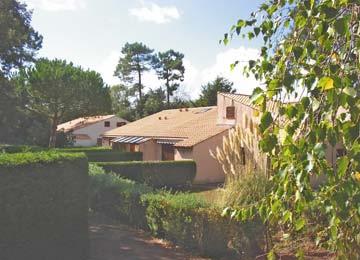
x=86, y=131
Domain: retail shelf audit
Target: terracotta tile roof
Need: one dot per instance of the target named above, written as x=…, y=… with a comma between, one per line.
x=81, y=122
x=272, y=106
x=193, y=125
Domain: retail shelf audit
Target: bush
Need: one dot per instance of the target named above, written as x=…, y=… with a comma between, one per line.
x=116, y=197
x=155, y=173
x=20, y=148
x=182, y=218
x=100, y=154
x=43, y=202
x=192, y=223
x=245, y=189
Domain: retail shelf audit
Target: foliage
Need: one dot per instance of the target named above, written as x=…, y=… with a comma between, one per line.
x=20, y=148
x=112, y=156
x=311, y=51
x=116, y=197
x=245, y=190
x=169, y=67
x=155, y=173
x=19, y=40
x=181, y=217
x=137, y=59
x=154, y=101
x=208, y=95
x=43, y=201
x=43, y=157
x=231, y=155
x=59, y=90
x=120, y=100
x=18, y=46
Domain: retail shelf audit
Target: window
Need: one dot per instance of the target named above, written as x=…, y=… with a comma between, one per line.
x=118, y=124
x=167, y=152
x=134, y=148
x=230, y=112
x=107, y=123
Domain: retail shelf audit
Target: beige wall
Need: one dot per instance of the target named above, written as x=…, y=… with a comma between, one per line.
x=245, y=118
x=208, y=169
x=151, y=150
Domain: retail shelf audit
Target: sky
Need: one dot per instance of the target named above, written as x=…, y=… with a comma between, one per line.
x=91, y=33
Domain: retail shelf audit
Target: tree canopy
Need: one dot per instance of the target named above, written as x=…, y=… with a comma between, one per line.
x=19, y=43
x=311, y=52
x=208, y=95
x=169, y=67
x=19, y=40
x=59, y=91
x=137, y=59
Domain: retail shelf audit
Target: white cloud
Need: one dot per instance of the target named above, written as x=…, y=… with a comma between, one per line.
x=56, y=5
x=155, y=13
x=195, y=78
x=107, y=67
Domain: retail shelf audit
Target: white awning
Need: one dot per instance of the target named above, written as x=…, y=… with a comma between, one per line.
x=168, y=141
x=130, y=139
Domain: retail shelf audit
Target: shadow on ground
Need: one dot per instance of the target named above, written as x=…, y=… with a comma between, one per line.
x=114, y=241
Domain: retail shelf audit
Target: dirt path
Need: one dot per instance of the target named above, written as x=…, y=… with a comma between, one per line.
x=113, y=241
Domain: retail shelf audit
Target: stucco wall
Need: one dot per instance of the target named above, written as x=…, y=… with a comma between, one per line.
x=208, y=169
x=95, y=130
x=244, y=117
x=151, y=150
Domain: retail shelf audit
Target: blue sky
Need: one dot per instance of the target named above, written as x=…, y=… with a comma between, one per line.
x=91, y=33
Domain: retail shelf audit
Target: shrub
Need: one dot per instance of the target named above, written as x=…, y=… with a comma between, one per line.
x=190, y=222
x=155, y=173
x=245, y=189
x=183, y=218
x=20, y=148
x=43, y=202
x=100, y=154
x=116, y=197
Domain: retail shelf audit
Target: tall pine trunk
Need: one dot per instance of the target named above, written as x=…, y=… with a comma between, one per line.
x=167, y=93
x=140, y=94
x=53, y=131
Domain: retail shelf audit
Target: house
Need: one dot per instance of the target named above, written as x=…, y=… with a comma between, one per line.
x=86, y=131
x=175, y=134
x=190, y=133
x=244, y=114
x=237, y=109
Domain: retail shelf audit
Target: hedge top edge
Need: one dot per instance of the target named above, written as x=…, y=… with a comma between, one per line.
x=18, y=159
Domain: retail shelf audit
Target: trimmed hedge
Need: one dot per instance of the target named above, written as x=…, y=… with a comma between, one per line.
x=189, y=222
x=44, y=205
x=182, y=218
x=95, y=154
x=116, y=197
x=20, y=148
x=155, y=173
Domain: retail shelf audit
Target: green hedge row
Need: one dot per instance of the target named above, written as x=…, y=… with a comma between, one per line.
x=181, y=218
x=155, y=173
x=20, y=148
x=44, y=205
x=94, y=154
x=106, y=155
